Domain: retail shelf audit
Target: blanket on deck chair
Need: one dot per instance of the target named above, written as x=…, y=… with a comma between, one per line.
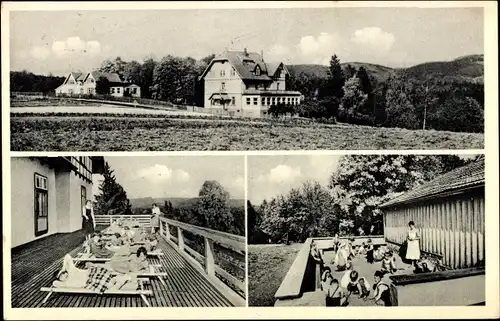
x=99, y=279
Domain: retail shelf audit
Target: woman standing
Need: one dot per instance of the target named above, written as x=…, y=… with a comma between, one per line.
x=155, y=219
x=88, y=218
x=413, y=246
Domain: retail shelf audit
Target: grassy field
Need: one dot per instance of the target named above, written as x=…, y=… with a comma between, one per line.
x=31, y=132
x=267, y=266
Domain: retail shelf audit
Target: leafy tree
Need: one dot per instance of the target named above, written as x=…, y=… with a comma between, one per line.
x=112, y=198
x=353, y=102
x=132, y=72
x=24, y=81
x=214, y=207
x=364, y=80
x=303, y=212
x=349, y=71
x=362, y=182
x=102, y=86
x=399, y=110
x=174, y=79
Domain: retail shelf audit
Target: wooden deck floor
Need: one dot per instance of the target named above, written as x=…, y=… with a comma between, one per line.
x=33, y=267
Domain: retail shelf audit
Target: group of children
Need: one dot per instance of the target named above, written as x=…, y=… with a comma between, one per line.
x=338, y=292
x=126, y=247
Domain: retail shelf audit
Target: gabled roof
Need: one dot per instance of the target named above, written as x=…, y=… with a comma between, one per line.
x=469, y=176
x=112, y=77
x=245, y=63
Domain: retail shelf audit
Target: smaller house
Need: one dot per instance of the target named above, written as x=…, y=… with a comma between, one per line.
x=79, y=84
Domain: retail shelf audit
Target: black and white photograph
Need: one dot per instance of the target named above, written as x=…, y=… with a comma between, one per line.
x=247, y=79
x=366, y=230
x=116, y=232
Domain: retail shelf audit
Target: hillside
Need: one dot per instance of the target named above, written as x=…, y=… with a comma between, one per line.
x=146, y=202
x=470, y=66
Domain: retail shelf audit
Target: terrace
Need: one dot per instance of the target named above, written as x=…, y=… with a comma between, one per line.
x=188, y=284
x=301, y=285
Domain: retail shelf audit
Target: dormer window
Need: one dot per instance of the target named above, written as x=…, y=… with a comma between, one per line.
x=257, y=71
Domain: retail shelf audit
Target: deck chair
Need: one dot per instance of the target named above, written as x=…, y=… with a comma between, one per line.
x=153, y=273
x=87, y=257
x=141, y=291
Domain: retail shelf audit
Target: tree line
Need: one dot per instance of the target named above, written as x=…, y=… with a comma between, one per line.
x=24, y=81
x=347, y=95
x=351, y=95
x=349, y=204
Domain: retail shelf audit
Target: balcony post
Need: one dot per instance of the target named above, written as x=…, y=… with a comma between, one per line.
x=180, y=239
x=209, y=257
x=167, y=231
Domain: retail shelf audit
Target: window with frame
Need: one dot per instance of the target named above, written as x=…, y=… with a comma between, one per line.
x=233, y=72
x=222, y=86
x=255, y=100
x=41, y=205
x=257, y=71
x=92, y=80
x=248, y=101
x=112, y=90
x=233, y=101
x=263, y=101
x=222, y=73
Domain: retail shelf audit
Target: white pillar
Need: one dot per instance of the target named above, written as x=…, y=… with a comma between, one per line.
x=209, y=257
x=180, y=239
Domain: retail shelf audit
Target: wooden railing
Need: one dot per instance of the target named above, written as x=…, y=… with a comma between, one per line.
x=206, y=262
x=105, y=220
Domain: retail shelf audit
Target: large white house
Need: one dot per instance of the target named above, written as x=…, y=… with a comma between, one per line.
x=48, y=194
x=78, y=83
x=240, y=83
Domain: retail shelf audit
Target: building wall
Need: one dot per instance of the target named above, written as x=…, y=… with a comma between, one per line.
x=116, y=91
x=64, y=201
x=452, y=227
x=23, y=170
x=213, y=80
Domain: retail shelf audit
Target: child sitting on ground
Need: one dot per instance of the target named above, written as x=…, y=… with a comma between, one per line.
x=389, y=262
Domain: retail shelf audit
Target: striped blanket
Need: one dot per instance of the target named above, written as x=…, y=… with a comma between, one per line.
x=99, y=279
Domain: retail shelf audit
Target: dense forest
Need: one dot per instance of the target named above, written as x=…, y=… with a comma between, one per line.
x=24, y=81
x=439, y=95
x=349, y=204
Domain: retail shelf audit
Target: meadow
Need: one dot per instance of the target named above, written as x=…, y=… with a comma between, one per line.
x=141, y=132
x=267, y=267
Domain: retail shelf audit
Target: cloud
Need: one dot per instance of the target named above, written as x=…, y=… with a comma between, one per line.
x=40, y=53
x=181, y=175
x=281, y=174
x=75, y=45
x=374, y=38
x=318, y=49
x=155, y=174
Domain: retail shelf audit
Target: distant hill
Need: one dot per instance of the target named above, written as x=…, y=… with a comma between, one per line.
x=146, y=202
x=470, y=66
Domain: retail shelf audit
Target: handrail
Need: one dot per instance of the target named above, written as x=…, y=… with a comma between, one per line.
x=209, y=269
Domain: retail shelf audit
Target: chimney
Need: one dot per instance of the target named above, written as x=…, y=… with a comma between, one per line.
x=245, y=52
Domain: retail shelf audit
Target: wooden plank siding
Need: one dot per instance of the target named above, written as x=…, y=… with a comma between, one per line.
x=185, y=286
x=451, y=227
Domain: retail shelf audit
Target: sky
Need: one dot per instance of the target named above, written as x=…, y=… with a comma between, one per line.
x=270, y=176
x=58, y=41
x=175, y=176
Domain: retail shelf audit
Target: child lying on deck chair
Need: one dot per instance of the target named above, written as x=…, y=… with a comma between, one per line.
x=97, y=248
x=95, y=278
x=134, y=263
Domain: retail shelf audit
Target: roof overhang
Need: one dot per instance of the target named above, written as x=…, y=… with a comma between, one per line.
x=220, y=96
x=443, y=194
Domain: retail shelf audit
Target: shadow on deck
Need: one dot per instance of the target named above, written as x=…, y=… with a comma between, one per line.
x=34, y=264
